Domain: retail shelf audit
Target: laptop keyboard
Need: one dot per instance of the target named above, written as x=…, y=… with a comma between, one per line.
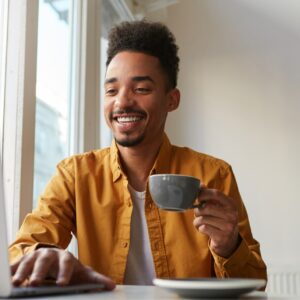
x=53, y=289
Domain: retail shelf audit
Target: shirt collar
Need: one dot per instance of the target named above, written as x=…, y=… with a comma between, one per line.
x=115, y=161
x=163, y=160
x=161, y=164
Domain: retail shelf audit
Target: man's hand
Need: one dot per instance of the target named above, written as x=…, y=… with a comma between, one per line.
x=217, y=217
x=58, y=264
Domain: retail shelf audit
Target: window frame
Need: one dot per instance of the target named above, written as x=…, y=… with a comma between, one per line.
x=3, y=42
x=19, y=110
x=85, y=77
x=19, y=97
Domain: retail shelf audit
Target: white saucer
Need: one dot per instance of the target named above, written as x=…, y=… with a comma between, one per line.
x=210, y=287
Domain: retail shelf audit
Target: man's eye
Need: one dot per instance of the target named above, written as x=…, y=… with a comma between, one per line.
x=110, y=92
x=142, y=90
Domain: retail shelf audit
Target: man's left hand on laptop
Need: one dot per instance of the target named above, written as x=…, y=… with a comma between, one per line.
x=58, y=264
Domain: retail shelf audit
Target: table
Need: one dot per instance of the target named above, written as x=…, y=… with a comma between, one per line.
x=131, y=292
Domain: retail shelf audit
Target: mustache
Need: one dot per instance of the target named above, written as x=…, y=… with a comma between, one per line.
x=127, y=111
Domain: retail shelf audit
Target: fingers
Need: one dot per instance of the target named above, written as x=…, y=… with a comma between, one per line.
x=71, y=271
x=85, y=274
x=218, y=219
x=202, y=222
x=214, y=196
x=22, y=269
x=35, y=267
x=14, y=267
x=95, y=277
x=43, y=263
x=67, y=264
x=215, y=203
x=214, y=227
x=225, y=219
x=223, y=234
x=209, y=208
x=57, y=263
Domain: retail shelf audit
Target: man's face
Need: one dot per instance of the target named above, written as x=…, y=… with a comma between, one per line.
x=136, y=98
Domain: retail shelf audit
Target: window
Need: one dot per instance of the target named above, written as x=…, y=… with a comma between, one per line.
x=53, y=102
x=67, y=90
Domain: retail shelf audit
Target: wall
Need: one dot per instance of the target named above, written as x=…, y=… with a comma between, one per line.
x=240, y=84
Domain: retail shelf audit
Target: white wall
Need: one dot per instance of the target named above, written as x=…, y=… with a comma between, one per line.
x=240, y=84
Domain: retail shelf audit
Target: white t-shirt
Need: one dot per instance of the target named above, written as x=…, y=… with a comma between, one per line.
x=140, y=267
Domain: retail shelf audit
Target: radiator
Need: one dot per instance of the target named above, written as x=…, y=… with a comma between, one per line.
x=283, y=281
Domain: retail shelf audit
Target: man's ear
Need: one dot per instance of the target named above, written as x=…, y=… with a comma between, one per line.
x=173, y=99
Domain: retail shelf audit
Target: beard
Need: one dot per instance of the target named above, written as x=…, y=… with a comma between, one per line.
x=129, y=142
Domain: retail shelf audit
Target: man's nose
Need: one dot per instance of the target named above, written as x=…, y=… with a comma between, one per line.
x=124, y=98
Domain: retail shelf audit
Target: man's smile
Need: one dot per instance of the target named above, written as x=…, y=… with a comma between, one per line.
x=128, y=120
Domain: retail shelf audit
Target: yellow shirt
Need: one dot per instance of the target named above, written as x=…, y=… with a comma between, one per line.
x=88, y=196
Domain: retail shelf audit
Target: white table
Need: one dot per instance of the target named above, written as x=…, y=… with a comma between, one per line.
x=131, y=292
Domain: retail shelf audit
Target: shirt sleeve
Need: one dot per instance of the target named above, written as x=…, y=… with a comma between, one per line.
x=51, y=224
x=246, y=261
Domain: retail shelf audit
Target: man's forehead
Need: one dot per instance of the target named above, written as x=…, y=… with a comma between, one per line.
x=132, y=53
x=132, y=60
x=132, y=66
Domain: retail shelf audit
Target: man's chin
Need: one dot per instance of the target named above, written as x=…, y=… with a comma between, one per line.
x=127, y=142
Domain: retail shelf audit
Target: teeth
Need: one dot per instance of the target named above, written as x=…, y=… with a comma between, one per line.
x=128, y=119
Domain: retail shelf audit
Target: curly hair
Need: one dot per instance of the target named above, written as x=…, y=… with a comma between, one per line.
x=152, y=38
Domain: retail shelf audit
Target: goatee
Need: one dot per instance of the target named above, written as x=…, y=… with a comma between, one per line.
x=130, y=143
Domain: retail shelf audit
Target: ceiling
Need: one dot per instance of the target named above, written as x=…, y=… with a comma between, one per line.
x=286, y=12
x=140, y=8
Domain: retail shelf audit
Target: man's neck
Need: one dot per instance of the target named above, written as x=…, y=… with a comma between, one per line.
x=138, y=161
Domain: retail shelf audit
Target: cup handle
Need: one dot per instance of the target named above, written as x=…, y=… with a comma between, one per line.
x=199, y=205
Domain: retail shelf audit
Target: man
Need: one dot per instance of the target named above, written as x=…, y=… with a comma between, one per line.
x=102, y=196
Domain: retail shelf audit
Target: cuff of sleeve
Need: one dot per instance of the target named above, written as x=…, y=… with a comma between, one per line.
x=19, y=250
x=237, y=260
x=39, y=245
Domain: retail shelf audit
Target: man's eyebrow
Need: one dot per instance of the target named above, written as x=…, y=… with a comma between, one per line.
x=110, y=80
x=135, y=78
x=142, y=78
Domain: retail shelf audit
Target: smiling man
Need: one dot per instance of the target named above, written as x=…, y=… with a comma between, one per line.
x=102, y=196
x=137, y=99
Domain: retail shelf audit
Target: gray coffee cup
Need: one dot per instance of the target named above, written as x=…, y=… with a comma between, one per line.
x=173, y=191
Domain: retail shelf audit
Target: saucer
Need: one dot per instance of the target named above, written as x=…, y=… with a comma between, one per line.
x=210, y=287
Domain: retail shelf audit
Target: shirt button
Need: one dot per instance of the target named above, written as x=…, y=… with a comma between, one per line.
x=129, y=204
x=149, y=205
x=124, y=244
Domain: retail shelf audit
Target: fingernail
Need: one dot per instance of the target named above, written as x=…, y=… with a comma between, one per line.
x=61, y=281
x=34, y=281
x=110, y=285
x=16, y=280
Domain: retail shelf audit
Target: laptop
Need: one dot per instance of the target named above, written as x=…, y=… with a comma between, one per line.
x=7, y=290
